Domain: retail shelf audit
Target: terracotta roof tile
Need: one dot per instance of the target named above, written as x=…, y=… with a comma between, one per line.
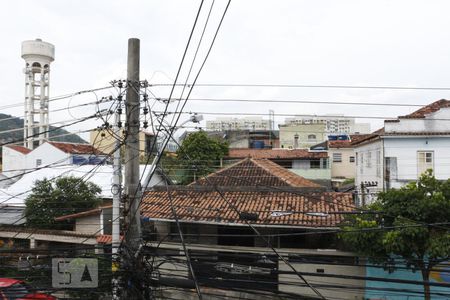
x=208, y=206
x=426, y=110
x=105, y=238
x=255, y=172
x=274, y=153
x=76, y=148
x=20, y=149
x=92, y=212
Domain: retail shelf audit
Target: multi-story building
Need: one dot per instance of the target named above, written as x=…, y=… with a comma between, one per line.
x=302, y=135
x=404, y=149
x=248, y=123
x=333, y=124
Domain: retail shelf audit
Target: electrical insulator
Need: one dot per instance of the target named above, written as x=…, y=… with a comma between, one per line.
x=102, y=134
x=119, y=111
x=119, y=98
x=145, y=124
x=120, y=85
x=145, y=110
x=119, y=124
x=145, y=97
x=106, y=124
x=110, y=97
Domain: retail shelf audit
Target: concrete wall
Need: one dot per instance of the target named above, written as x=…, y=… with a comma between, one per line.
x=329, y=293
x=345, y=168
x=88, y=224
x=405, y=150
x=368, y=170
x=436, y=122
x=13, y=162
x=48, y=154
x=107, y=143
x=288, y=133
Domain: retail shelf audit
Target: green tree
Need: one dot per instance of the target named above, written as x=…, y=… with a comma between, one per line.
x=419, y=213
x=198, y=154
x=66, y=195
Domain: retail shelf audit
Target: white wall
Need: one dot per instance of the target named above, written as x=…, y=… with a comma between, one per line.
x=368, y=168
x=13, y=162
x=48, y=154
x=436, y=122
x=405, y=149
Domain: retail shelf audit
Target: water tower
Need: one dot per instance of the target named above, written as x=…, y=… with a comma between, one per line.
x=37, y=55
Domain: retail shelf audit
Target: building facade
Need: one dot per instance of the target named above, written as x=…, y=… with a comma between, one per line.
x=333, y=124
x=403, y=150
x=248, y=123
x=302, y=135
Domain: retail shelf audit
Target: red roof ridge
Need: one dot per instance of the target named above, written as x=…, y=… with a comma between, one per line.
x=18, y=148
x=276, y=169
x=428, y=109
x=86, y=213
x=76, y=148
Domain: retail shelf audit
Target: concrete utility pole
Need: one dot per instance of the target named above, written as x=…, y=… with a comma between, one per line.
x=116, y=188
x=132, y=188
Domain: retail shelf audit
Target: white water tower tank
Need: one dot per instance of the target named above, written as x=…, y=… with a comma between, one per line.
x=37, y=55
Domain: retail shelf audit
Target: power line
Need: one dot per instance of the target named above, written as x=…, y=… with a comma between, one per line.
x=300, y=101
x=308, y=86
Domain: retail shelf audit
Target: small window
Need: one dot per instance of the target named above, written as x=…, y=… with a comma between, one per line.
x=312, y=137
x=38, y=162
x=361, y=163
x=337, y=157
x=36, y=65
x=369, y=160
x=351, y=159
x=425, y=161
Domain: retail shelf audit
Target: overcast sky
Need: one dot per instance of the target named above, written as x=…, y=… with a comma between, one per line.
x=370, y=43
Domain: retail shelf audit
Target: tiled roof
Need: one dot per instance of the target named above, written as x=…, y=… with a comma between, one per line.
x=76, y=148
x=20, y=149
x=105, y=238
x=255, y=172
x=340, y=144
x=367, y=137
x=44, y=231
x=275, y=153
x=426, y=110
x=274, y=208
x=92, y=212
x=354, y=138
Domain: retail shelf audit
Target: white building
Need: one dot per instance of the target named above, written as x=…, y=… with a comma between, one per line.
x=403, y=149
x=333, y=124
x=57, y=153
x=14, y=160
x=247, y=123
x=12, y=198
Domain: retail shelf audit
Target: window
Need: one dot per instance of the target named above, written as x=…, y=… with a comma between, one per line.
x=361, y=163
x=314, y=164
x=369, y=160
x=311, y=137
x=337, y=157
x=425, y=161
x=38, y=162
x=351, y=159
x=378, y=158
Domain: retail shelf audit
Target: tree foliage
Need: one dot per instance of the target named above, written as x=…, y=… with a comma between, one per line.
x=419, y=214
x=198, y=154
x=66, y=195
